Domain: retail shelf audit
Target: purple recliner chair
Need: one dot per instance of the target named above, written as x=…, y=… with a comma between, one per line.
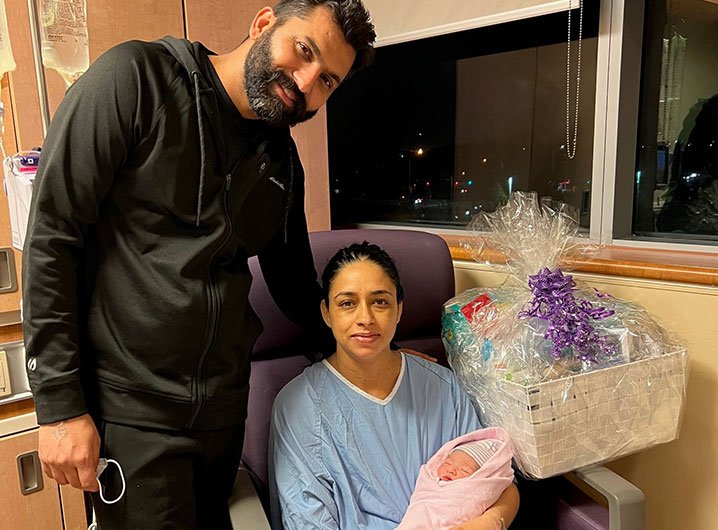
x=427, y=274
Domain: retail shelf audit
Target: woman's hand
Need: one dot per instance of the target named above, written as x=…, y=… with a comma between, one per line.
x=487, y=521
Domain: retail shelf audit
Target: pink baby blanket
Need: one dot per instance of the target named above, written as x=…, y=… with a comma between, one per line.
x=440, y=505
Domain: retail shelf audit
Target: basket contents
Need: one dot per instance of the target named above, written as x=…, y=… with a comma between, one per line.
x=576, y=376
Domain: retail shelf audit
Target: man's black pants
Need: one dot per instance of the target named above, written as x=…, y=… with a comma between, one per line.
x=175, y=480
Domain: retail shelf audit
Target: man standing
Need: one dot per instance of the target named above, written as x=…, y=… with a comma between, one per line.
x=165, y=168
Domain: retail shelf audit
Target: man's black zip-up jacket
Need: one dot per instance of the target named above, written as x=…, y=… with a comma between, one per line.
x=135, y=265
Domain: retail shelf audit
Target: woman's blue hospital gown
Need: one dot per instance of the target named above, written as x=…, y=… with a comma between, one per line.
x=341, y=458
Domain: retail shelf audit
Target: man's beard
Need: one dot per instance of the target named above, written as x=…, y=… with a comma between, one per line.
x=260, y=80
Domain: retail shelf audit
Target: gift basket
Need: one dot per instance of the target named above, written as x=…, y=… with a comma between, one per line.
x=576, y=376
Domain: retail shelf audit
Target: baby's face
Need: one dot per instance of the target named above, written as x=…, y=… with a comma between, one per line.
x=457, y=465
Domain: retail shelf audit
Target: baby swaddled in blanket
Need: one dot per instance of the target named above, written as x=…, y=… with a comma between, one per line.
x=464, y=478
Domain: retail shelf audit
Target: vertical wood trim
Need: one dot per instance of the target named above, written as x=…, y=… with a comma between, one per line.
x=73, y=508
x=9, y=138
x=185, y=26
x=23, y=86
x=311, y=139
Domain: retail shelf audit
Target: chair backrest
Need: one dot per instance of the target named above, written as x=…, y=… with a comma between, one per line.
x=427, y=275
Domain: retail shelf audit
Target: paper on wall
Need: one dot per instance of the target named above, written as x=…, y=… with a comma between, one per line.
x=18, y=188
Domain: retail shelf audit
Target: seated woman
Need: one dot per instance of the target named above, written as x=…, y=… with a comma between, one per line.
x=350, y=433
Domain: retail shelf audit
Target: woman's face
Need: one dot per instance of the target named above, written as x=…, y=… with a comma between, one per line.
x=363, y=310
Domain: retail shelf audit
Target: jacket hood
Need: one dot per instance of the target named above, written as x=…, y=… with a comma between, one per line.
x=183, y=52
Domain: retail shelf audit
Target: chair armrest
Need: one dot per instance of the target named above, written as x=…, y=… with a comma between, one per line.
x=245, y=508
x=626, y=503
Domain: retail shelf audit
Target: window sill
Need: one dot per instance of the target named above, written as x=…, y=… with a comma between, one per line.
x=699, y=268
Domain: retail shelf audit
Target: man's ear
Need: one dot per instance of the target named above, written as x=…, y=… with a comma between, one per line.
x=263, y=20
x=325, y=313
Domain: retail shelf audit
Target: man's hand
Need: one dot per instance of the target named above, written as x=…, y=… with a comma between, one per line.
x=69, y=452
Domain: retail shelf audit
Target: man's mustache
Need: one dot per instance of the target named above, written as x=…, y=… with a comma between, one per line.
x=288, y=84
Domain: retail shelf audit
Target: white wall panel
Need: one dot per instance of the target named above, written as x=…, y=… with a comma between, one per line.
x=403, y=20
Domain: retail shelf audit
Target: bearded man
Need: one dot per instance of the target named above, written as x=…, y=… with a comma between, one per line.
x=165, y=168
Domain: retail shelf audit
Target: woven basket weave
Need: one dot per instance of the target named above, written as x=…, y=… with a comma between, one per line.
x=561, y=425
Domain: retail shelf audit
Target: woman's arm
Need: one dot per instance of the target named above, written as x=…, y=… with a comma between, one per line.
x=499, y=516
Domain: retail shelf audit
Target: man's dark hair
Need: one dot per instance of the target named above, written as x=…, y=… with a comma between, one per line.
x=350, y=15
x=361, y=252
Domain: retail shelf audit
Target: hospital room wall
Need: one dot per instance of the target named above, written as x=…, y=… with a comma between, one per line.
x=679, y=479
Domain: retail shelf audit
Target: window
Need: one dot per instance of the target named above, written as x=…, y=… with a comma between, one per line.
x=441, y=128
x=676, y=177
x=445, y=127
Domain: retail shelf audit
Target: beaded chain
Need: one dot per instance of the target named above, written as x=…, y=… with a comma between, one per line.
x=571, y=145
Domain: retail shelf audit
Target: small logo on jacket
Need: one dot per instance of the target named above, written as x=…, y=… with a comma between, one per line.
x=277, y=182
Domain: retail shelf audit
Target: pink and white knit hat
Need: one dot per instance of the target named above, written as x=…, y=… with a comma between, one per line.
x=480, y=450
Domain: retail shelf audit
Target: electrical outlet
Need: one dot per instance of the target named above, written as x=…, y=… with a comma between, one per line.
x=5, y=389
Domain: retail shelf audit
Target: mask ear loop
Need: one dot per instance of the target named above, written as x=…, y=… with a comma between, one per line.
x=122, y=476
x=102, y=465
x=93, y=525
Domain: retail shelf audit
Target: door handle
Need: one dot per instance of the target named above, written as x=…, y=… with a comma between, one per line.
x=29, y=472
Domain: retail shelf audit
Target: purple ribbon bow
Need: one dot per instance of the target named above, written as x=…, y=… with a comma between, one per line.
x=568, y=317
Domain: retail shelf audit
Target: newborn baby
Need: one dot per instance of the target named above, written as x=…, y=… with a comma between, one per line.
x=464, y=460
x=464, y=478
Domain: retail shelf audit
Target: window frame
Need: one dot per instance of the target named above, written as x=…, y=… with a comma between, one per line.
x=621, y=33
x=615, y=135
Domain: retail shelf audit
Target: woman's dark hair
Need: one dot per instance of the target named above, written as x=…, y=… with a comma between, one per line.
x=361, y=252
x=350, y=15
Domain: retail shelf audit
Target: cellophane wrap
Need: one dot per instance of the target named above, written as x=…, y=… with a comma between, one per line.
x=576, y=377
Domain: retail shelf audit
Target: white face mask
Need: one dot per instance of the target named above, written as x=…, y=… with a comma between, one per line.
x=101, y=466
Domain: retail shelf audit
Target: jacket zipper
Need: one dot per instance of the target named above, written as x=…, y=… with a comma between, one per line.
x=215, y=302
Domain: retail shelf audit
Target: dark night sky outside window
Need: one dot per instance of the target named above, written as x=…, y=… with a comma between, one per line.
x=439, y=129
